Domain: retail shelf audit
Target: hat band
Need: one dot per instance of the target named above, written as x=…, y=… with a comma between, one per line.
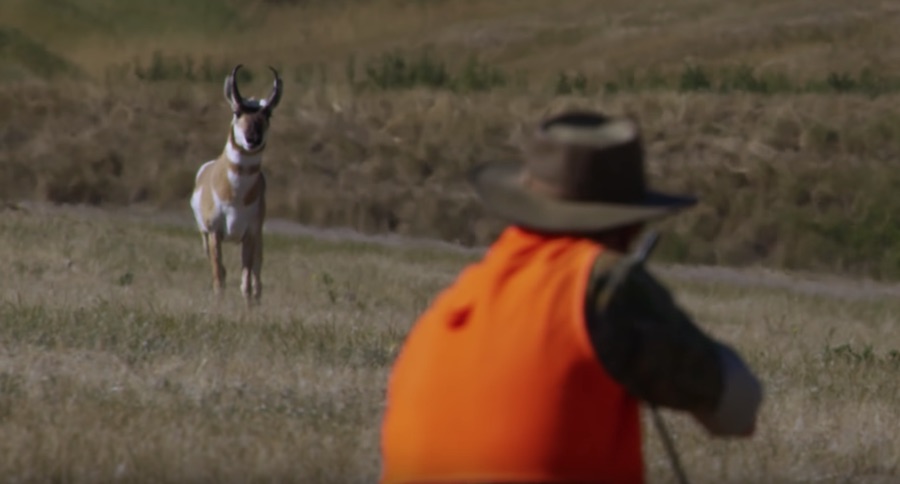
x=544, y=188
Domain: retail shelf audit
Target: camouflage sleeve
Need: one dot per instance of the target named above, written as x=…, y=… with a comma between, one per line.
x=647, y=343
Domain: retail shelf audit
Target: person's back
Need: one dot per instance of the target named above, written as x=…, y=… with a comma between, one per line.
x=500, y=383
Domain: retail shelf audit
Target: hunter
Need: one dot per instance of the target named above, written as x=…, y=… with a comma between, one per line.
x=526, y=369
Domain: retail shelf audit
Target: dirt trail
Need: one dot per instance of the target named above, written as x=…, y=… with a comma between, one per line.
x=813, y=284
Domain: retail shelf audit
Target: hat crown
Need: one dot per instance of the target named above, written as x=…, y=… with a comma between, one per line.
x=586, y=157
x=583, y=172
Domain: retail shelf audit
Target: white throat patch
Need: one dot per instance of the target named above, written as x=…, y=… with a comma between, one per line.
x=236, y=156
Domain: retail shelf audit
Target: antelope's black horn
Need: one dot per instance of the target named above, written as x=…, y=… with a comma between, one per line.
x=277, y=87
x=232, y=80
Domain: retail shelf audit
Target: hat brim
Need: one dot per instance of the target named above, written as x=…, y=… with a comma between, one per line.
x=498, y=185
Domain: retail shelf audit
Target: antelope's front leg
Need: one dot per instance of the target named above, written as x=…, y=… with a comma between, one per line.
x=215, y=259
x=251, y=257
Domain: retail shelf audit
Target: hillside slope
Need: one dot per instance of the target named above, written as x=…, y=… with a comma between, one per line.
x=767, y=111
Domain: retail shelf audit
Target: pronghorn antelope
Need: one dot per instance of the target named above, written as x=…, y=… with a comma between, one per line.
x=229, y=198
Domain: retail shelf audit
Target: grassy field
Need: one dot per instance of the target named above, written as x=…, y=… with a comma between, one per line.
x=781, y=115
x=117, y=364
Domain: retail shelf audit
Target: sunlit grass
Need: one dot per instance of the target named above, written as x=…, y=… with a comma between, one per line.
x=117, y=362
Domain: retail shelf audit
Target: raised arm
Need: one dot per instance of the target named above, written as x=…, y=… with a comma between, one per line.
x=647, y=343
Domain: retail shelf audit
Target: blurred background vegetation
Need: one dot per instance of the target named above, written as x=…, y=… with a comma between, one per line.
x=782, y=116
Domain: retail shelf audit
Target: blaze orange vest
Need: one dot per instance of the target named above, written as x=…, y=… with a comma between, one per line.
x=498, y=380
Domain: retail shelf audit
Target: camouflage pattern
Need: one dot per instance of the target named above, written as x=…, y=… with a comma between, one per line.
x=647, y=343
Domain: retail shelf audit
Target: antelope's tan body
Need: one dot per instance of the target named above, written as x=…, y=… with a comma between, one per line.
x=229, y=198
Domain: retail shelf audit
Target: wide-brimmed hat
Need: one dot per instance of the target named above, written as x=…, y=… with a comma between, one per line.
x=581, y=171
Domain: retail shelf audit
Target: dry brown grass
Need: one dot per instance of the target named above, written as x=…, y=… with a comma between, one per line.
x=117, y=364
x=798, y=182
x=788, y=179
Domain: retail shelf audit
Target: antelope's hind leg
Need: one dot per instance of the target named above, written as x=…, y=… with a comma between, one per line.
x=204, y=236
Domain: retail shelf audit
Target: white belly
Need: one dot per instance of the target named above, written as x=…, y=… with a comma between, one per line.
x=237, y=219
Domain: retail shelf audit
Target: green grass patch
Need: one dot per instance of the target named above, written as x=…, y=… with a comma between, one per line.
x=743, y=78
x=408, y=69
x=71, y=19
x=22, y=57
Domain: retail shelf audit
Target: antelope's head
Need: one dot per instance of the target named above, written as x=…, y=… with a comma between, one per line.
x=251, y=117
